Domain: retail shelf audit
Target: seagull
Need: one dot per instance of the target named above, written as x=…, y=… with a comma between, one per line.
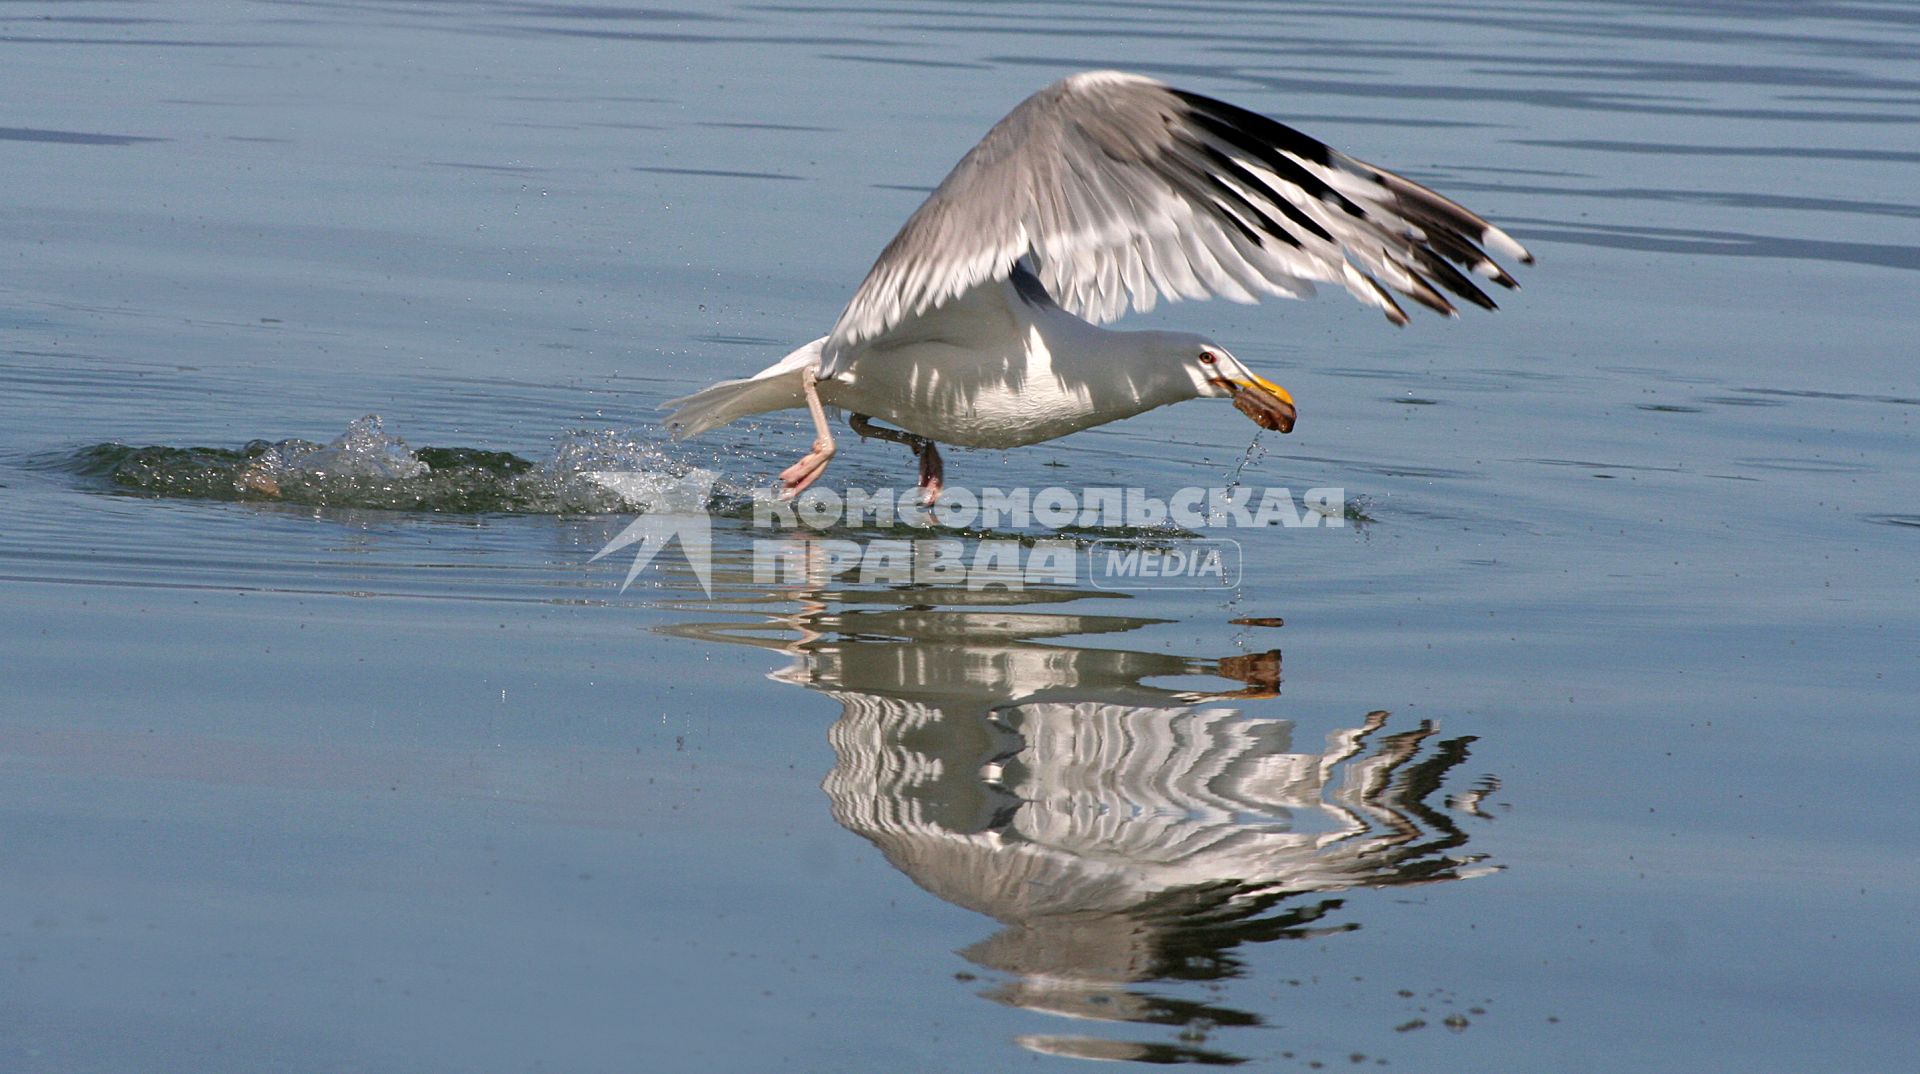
x=979, y=325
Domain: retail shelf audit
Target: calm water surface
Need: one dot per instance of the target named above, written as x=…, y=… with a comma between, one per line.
x=1592, y=750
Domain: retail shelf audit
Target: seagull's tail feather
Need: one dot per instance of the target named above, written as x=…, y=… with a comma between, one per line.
x=777, y=387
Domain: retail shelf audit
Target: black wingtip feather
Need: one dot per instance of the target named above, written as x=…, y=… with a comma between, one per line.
x=1271, y=131
x=1436, y=269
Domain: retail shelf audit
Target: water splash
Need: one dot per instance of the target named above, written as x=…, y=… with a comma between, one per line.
x=1255, y=452
x=364, y=454
x=367, y=467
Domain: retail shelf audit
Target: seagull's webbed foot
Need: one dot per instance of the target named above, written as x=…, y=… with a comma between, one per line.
x=933, y=473
x=932, y=470
x=795, y=479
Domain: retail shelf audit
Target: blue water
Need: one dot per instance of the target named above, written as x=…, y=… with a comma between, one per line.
x=1590, y=748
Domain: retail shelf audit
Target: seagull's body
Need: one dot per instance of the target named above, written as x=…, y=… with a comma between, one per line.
x=989, y=369
x=1103, y=191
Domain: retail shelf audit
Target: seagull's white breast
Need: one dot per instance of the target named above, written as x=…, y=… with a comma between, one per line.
x=989, y=370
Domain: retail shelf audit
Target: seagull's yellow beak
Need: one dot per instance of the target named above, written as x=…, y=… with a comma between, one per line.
x=1267, y=403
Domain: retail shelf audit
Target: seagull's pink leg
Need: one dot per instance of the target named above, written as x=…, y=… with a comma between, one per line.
x=933, y=473
x=932, y=470
x=797, y=477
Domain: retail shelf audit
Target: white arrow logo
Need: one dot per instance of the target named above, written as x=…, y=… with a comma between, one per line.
x=672, y=510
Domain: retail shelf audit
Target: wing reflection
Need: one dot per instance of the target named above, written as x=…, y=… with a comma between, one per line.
x=1122, y=830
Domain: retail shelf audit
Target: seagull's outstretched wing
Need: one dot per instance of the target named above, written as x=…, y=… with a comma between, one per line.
x=1122, y=189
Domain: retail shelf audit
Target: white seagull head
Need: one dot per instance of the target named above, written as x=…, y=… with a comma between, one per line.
x=1198, y=368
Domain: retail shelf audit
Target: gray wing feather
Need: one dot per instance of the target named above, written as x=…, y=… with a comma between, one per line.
x=1121, y=190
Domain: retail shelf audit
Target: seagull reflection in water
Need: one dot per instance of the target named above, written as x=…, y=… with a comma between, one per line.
x=1123, y=833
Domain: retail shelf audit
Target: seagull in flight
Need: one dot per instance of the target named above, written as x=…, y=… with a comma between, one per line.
x=979, y=325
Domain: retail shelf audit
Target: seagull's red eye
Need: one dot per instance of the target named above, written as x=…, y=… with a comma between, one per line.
x=1207, y=357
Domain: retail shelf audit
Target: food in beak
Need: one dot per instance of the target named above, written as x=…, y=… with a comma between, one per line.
x=1266, y=403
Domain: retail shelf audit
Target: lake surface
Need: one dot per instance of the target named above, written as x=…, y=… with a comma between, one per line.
x=1587, y=744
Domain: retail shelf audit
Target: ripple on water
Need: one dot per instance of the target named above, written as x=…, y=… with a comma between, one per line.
x=1803, y=466
x=1909, y=521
